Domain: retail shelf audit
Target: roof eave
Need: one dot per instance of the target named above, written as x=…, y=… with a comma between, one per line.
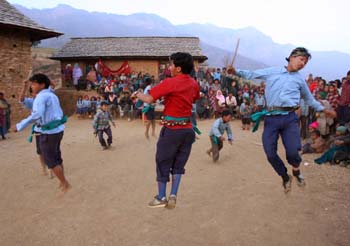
x=60, y=58
x=35, y=34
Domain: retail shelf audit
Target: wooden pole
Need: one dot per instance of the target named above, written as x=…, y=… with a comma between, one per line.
x=235, y=54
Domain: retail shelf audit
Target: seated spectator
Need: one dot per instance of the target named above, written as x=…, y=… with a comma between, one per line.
x=93, y=108
x=231, y=103
x=340, y=146
x=86, y=106
x=202, y=106
x=126, y=105
x=317, y=145
x=80, y=107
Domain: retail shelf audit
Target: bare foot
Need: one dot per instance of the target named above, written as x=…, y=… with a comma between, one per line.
x=44, y=172
x=51, y=174
x=154, y=134
x=209, y=153
x=65, y=187
x=146, y=135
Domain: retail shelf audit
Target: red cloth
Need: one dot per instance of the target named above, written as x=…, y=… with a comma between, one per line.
x=106, y=71
x=313, y=86
x=179, y=93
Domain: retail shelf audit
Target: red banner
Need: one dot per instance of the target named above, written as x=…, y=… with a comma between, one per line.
x=106, y=71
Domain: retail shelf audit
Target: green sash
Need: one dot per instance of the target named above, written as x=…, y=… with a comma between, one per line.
x=256, y=117
x=48, y=126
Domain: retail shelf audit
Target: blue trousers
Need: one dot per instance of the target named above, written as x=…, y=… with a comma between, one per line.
x=173, y=150
x=285, y=126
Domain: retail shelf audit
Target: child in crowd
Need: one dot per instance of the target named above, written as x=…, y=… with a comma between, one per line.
x=317, y=145
x=216, y=134
x=93, y=108
x=80, y=107
x=86, y=106
x=245, y=111
x=101, y=125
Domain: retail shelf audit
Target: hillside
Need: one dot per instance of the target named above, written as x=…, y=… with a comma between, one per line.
x=256, y=49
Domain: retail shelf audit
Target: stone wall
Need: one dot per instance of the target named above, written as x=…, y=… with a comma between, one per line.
x=16, y=65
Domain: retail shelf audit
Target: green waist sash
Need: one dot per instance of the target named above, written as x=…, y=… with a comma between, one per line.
x=169, y=120
x=48, y=126
x=256, y=117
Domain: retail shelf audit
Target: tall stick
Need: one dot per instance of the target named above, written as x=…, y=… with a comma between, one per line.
x=235, y=54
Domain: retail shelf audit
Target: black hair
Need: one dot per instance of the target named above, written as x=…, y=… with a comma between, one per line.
x=300, y=51
x=103, y=103
x=317, y=133
x=183, y=60
x=41, y=78
x=348, y=73
x=1, y=93
x=226, y=113
x=148, y=81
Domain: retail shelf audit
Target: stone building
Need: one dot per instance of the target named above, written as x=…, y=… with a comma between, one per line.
x=143, y=54
x=17, y=35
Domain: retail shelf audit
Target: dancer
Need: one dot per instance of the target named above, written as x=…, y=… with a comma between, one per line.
x=101, y=125
x=49, y=120
x=216, y=134
x=284, y=88
x=176, y=137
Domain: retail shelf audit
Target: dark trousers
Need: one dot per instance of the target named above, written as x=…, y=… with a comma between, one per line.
x=173, y=149
x=285, y=126
x=343, y=114
x=108, y=131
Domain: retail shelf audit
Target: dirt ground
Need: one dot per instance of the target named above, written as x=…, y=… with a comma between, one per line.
x=237, y=201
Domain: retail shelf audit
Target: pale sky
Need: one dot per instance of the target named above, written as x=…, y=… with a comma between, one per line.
x=319, y=25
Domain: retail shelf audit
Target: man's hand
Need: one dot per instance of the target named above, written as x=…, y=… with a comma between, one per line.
x=330, y=113
x=14, y=129
x=222, y=138
x=338, y=142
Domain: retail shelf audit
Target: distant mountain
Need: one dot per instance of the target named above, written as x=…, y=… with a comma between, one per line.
x=256, y=49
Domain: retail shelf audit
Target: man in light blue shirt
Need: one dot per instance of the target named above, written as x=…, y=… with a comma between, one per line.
x=49, y=121
x=284, y=89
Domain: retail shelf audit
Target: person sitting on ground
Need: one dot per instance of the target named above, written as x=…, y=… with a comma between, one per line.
x=317, y=145
x=341, y=143
x=80, y=107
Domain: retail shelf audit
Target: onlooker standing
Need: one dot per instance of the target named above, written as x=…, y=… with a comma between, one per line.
x=77, y=73
x=343, y=111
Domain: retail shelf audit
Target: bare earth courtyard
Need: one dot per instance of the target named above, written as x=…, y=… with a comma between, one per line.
x=237, y=201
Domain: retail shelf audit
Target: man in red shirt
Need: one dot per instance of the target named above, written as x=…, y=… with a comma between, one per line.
x=177, y=135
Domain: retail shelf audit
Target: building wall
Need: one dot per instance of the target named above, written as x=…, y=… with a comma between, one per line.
x=16, y=65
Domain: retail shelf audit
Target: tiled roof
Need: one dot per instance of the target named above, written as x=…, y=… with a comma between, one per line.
x=11, y=17
x=126, y=47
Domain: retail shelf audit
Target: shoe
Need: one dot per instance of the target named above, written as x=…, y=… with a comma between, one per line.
x=300, y=180
x=287, y=185
x=171, y=202
x=156, y=203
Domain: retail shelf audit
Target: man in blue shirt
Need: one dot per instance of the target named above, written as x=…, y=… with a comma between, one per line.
x=48, y=118
x=284, y=89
